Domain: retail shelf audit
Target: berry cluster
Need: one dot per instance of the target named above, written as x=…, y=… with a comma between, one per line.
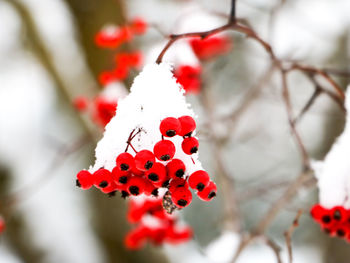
x=147, y=171
x=189, y=77
x=334, y=221
x=153, y=224
x=112, y=36
x=124, y=62
x=101, y=109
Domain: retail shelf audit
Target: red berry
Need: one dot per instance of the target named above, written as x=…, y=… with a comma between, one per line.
x=208, y=192
x=144, y=160
x=199, y=180
x=125, y=161
x=176, y=183
x=190, y=145
x=188, y=125
x=317, y=211
x=136, y=171
x=84, y=179
x=157, y=173
x=189, y=77
x=136, y=185
x=339, y=214
x=102, y=178
x=136, y=238
x=181, y=197
x=150, y=189
x=81, y=103
x=110, y=189
x=211, y=46
x=176, y=168
x=2, y=224
x=120, y=177
x=138, y=26
x=170, y=126
x=164, y=150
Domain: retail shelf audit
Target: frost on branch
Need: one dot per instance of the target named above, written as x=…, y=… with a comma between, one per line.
x=333, y=174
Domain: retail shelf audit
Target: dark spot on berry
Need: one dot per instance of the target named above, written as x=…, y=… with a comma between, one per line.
x=123, y=180
x=165, y=157
x=155, y=192
x=111, y=194
x=166, y=183
x=179, y=173
x=134, y=190
x=170, y=133
x=77, y=183
x=125, y=194
x=188, y=134
x=200, y=187
x=103, y=184
x=211, y=195
x=340, y=233
x=148, y=165
x=326, y=219
x=194, y=150
x=153, y=177
x=337, y=215
x=124, y=167
x=182, y=202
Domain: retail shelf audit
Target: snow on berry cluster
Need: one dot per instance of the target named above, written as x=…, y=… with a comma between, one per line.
x=149, y=149
x=333, y=175
x=153, y=224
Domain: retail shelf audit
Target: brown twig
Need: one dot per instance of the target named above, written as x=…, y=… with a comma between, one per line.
x=288, y=235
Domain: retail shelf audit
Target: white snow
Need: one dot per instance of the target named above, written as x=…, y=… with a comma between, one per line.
x=334, y=172
x=154, y=96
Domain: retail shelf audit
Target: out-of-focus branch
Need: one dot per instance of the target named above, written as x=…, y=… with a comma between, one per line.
x=288, y=235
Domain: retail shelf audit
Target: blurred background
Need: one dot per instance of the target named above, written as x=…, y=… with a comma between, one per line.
x=48, y=57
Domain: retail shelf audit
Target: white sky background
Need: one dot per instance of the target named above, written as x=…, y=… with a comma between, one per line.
x=303, y=30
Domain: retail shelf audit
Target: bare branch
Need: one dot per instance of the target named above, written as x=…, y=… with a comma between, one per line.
x=288, y=235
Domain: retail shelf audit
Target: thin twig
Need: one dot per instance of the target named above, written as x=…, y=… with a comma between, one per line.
x=288, y=235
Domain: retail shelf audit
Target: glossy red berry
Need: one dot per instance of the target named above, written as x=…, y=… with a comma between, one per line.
x=176, y=183
x=208, y=192
x=188, y=125
x=120, y=177
x=190, y=145
x=144, y=160
x=181, y=197
x=176, y=168
x=170, y=126
x=317, y=212
x=339, y=214
x=164, y=150
x=110, y=189
x=84, y=179
x=157, y=173
x=102, y=178
x=125, y=161
x=199, y=180
x=136, y=185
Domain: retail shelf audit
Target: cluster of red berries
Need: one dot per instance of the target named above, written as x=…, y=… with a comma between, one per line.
x=162, y=228
x=102, y=110
x=124, y=62
x=142, y=174
x=189, y=77
x=112, y=36
x=334, y=221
